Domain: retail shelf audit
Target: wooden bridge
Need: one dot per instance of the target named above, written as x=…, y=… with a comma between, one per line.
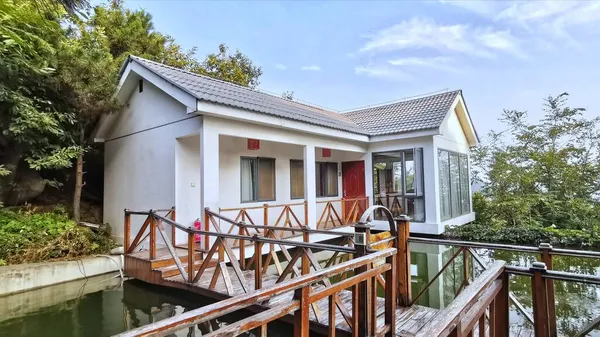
x=361, y=288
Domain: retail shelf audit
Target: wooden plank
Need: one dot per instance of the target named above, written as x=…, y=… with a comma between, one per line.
x=258, y=320
x=448, y=318
x=471, y=318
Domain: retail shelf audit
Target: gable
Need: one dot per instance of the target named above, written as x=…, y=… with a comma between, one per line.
x=457, y=125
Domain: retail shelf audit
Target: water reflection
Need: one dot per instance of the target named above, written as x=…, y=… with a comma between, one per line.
x=577, y=304
x=103, y=307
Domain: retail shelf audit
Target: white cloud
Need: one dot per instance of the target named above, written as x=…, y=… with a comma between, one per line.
x=383, y=72
x=280, y=66
x=311, y=68
x=425, y=33
x=438, y=62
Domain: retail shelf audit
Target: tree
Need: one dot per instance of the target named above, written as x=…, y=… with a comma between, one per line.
x=88, y=75
x=288, y=95
x=32, y=118
x=235, y=68
x=542, y=174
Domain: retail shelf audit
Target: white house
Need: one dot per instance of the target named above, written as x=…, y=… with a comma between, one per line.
x=195, y=142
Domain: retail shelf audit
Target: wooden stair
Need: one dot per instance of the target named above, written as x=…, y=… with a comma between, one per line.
x=172, y=270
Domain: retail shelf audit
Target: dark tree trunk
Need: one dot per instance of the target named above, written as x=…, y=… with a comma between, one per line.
x=79, y=179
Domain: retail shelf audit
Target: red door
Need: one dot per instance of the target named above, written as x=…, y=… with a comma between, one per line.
x=353, y=190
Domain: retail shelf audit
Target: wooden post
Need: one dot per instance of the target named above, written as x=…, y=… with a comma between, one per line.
x=344, y=222
x=466, y=256
x=540, y=300
x=306, y=213
x=266, y=214
x=403, y=261
x=546, y=257
x=191, y=256
x=390, y=296
x=502, y=308
x=302, y=315
x=173, y=227
x=305, y=234
x=242, y=232
x=258, y=263
x=152, y=236
x=127, y=231
x=207, y=228
x=360, y=244
x=331, y=317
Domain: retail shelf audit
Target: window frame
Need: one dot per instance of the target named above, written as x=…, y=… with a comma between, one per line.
x=460, y=156
x=417, y=195
x=326, y=184
x=301, y=161
x=257, y=185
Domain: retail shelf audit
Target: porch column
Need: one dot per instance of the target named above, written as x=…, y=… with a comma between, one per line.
x=209, y=171
x=310, y=185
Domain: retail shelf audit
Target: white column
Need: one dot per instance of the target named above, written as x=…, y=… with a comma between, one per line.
x=310, y=184
x=368, y=158
x=209, y=169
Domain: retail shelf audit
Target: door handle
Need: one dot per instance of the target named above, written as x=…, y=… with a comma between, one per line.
x=344, y=193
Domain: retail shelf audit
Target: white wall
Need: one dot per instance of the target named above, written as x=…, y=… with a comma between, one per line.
x=139, y=170
x=231, y=149
x=430, y=226
x=187, y=177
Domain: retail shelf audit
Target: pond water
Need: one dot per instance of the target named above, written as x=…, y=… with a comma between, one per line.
x=101, y=307
x=104, y=306
x=577, y=304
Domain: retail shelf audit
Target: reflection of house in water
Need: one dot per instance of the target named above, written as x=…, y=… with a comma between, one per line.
x=427, y=261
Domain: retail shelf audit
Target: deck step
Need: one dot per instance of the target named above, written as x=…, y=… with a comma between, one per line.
x=169, y=261
x=172, y=270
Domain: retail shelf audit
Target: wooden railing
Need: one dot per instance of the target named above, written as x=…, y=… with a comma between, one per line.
x=363, y=321
x=350, y=210
x=285, y=217
x=543, y=297
x=129, y=247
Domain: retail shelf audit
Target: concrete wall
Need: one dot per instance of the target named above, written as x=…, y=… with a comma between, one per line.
x=139, y=159
x=23, y=277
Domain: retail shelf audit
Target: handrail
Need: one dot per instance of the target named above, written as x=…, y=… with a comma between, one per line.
x=258, y=238
x=232, y=304
x=231, y=209
x=288, y=229
x=499, y=246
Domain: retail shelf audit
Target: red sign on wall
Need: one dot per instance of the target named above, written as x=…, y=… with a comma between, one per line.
x=253, y=144
x=326, y=153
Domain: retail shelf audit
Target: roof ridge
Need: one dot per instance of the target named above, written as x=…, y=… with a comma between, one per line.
x=236, y=85
x=402, y=100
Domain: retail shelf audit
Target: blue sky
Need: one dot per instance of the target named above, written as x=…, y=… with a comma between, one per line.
x=343, y=55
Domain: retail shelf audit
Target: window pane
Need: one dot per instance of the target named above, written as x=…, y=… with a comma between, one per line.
x=415, y=209
x=455, y=185
x=248, y=179
x=419, y=183
x=465, y=185
x=297, y=179
x=332, y=179
x=444, y=180
x=409, y=172
x=397, y=171
x=266, y=179
x=320, y=180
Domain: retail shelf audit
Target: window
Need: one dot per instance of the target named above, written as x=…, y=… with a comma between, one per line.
x=398, y=182
x=455, y=189
x=297, y=179
x=327, y=179
x=258, y=179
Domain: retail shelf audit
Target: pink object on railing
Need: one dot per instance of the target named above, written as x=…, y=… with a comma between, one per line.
x=198, y=226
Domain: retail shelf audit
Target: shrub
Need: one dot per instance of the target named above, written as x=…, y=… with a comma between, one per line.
x=28, y=235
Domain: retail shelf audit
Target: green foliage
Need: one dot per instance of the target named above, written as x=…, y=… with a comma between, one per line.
x=32, y=118
x=541, y=181
x=235, y=68
x=27, y=235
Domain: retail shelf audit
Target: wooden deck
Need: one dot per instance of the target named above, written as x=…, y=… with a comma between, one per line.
x=409, y=320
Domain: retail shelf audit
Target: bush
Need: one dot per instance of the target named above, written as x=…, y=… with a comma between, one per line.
x=27, y=235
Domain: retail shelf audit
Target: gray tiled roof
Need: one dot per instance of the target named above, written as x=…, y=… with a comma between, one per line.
x=221, y=92
x=411, y=115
